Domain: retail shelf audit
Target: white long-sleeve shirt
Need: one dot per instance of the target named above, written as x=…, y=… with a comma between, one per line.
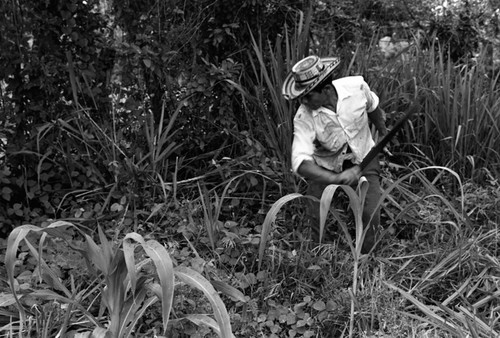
x=334, y=130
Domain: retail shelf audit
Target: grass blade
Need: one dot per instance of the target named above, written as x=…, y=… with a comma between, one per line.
x=325, y=203
x=434, y=317
x=164, y=269
x=128, y=253
x=229, y=291
x=196, y=280
x=270, y=218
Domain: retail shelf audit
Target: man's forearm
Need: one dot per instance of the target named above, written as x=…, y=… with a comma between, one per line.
x=313, y=172
x=377, y=117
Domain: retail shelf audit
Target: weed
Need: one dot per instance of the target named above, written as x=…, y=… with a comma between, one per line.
x=123, y=294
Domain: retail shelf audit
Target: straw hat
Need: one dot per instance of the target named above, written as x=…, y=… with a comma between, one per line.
x=307, y=74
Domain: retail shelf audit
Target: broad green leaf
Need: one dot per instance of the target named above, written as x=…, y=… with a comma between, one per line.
x=319, y=305
x=106, y=250
x=269, y=220
x=164, y=268
x=59, y=229
x=196, y=280
x=156, y=289
x=356, y=205
x=6, y=299
x=100, y=332
x=95, y=256
x=229, y=291
x=362, y=189
x=115, y=288
x=128, y=252
x=15, y=237
x=325, y=203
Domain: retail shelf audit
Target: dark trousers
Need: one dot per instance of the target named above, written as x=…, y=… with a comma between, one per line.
x=371, y=214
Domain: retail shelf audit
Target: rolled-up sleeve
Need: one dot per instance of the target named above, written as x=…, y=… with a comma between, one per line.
x=372, y=100
x=303, y=140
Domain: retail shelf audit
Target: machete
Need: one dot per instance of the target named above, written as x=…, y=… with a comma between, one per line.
x=383, y=142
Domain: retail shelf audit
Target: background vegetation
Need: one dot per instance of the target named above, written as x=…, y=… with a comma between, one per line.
x=145, y=174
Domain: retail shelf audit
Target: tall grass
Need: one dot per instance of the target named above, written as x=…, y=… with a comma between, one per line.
x=444, y=278
x=270, y=61
x=459, y=125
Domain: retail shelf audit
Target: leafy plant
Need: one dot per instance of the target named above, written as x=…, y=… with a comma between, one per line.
x=125, y=294
x=356, y=204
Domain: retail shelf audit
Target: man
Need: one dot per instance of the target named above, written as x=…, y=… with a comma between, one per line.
x=332, y=133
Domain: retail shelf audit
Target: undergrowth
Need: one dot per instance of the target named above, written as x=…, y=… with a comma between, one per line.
x=129, y=237
x=434, y=273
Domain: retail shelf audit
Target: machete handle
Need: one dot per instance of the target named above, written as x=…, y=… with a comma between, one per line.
x=383, y=142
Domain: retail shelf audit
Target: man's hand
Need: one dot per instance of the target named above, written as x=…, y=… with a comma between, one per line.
x=314, y=172
x=386, y=150
x=350, y=176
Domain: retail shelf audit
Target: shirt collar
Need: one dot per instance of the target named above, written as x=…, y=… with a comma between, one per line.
x=342, y=94
x=342, y=91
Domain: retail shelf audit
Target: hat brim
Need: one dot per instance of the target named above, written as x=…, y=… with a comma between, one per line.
x=290, y=91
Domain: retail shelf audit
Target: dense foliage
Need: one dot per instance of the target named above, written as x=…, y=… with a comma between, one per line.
x=165, y=118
